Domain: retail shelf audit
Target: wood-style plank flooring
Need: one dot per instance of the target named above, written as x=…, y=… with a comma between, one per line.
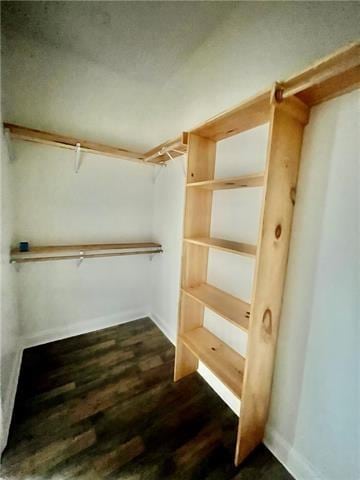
x=104, y=406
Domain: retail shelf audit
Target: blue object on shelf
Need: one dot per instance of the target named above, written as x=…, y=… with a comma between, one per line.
x=24, y=246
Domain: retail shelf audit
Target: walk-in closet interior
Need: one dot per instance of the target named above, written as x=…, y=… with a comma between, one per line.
x=180, y=240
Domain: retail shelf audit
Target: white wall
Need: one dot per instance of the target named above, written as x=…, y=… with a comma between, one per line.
x=315, y=404
x=258, y=43
x=169, y=196
x=314, y=417
x=10, y=346
x=108, y=200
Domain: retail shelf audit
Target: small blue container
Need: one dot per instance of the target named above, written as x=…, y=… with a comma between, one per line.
x=23, y=246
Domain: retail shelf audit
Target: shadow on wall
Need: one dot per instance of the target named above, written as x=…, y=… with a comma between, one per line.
x=301, y=277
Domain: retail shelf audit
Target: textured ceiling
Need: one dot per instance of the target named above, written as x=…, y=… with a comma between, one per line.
x=134, y=74
x=143, y=41
x=100, y=70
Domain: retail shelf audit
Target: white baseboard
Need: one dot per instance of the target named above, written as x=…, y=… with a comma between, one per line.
x=78, y=328
x=163, y=327
x=9, y=400
x=298, y=466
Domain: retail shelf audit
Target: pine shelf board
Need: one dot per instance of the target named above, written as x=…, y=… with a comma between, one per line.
x=64, y=141
x=176, y=148
x=255, y=180
x=245, y=116
x=231, y=308
x=329, y=77
x=61, y=252
x=222, y=360
x=224, y=245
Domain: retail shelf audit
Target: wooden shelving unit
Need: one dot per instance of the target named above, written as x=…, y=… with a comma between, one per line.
x=217, y=356
x=95, y=250
x=222, y=303
x=167, y=150
x=286, y=109
x=64, y=141
x=224, y=245
x=255, y=180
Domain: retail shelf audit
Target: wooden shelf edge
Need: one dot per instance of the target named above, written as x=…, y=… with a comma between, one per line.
x=222, y=360
x=329, y=77
x=248, y=114
x=231, y=308
x=64, y=141
x=89, y=246
x=176, y=148
x=237, y=248
x=80, y=256
x=63, y=252
x=244, y=181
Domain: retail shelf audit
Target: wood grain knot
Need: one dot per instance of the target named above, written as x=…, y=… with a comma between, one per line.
x=267, y=321
x=278, y=231
x=192, y=174
x=293, y=195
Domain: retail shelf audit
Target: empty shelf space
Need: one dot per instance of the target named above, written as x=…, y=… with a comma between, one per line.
x=225, y=245
x=232, y=308
x=222, y=360
x=255, y=180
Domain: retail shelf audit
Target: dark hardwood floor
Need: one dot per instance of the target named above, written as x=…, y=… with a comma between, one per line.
x=104, y=406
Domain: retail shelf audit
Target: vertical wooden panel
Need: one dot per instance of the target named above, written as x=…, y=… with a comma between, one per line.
x=197, y=212
x=284, y=148
x=194, y=265
x=197, y=220
x=201, y=158
x=192, y=311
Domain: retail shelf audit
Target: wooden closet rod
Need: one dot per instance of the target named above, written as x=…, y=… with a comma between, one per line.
x=331, y=76
x=85, y=255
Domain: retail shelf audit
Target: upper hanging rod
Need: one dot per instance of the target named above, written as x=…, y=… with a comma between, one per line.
x=327, y=78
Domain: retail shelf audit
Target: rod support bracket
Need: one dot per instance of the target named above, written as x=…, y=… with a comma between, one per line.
x=9, y=145
x=77, y=157
x=16, y=265
x=81, y=258
x=277, y=93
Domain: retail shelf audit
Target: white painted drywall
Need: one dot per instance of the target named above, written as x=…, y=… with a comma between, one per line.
x=315, y=404
x=10, y=346
x=314, y=418
x=257, y=44
x=169, y=196
x=108, y=200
